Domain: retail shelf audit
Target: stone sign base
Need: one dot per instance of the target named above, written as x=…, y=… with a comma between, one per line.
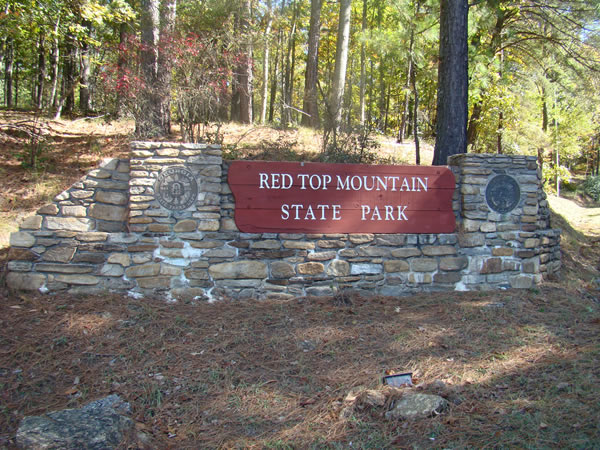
x=109, y=231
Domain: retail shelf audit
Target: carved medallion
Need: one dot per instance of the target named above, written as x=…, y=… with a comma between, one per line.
x=176, y=188
x=503, y=193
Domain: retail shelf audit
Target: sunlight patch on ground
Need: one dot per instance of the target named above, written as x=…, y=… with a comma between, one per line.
x=584, y=219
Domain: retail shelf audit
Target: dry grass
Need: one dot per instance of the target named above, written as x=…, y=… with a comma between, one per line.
x=520, y=368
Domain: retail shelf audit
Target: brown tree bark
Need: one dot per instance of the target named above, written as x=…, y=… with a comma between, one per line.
x=8, y=73
x=452, y=101
x=266, y=58
x=341, y=61
x=153, y=118
x=310, y=103
x=241, y=99
x=41, y=73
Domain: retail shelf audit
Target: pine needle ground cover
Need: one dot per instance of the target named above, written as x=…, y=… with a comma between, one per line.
x=520, y=368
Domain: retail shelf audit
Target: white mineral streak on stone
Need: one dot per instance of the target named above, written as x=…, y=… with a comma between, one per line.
x=460, y=286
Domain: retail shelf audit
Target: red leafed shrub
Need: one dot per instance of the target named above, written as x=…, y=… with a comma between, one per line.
x=201, y=70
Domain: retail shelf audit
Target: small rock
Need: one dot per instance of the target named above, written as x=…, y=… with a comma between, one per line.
x=417, y=406
x=100, y=424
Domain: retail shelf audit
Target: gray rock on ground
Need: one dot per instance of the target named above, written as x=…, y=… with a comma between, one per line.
x=417, y=406
x=101, y=424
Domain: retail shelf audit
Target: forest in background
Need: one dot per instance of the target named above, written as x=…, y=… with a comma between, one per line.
x=363, y=66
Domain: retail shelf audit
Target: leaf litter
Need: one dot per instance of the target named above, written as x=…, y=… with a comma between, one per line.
x=244, y=373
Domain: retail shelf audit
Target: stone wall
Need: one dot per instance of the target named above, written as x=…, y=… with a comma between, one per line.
x=110, y=232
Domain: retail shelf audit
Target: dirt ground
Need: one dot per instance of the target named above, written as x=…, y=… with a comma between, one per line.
x=520, y=368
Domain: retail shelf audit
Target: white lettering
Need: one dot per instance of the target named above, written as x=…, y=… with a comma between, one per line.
x=315, y=185
x=401, y=215
x=322, y=208
x=264, y=180
x=309, y=212
x=381, y=183
x=353, y=179
x=285, y=211
x=343, y=184
x=376, y=215
x=303, y=178
x=405, y=183
x=389, y=212
x=275, y=181
x=326, y=181
x=336, y=212
x=366, y=209
x=297, y=207
x=286, y=177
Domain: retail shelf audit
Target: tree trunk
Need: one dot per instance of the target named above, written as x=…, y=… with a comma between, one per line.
x=363, y=67
x=9, y=73
x=16, y=80
x=452, y=101
x=311, y=97
x=286, y=85
x=474, y=123
x=500, y=128
x=292, y=71
x=41, y=74
x=387, y=107
x=54, y=64
x=341, y=61
x=381, y=70
x=265, y=80
x=382, y=92
x=67, y=98
x=541, y=149
x=413, y=81
x=347, y=105
x=409, y=71
x=241, y=100
x=165, y=62
x=121, y=66
x=153, y=118
x=85, y=70
x=274, y=80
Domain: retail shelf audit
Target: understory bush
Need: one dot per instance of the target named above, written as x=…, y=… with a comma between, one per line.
x=591, y=186
x=354, y=145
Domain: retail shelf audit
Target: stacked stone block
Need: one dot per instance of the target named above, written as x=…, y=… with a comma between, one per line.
x=66, y=242
x=504, y=249
x=148, y=160
x=109, y=232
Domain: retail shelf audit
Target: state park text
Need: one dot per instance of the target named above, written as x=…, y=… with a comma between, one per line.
x=323, y=182
x=312, y=197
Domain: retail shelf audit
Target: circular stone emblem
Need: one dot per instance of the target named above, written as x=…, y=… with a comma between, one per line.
x=176, y=188
x=503, y=193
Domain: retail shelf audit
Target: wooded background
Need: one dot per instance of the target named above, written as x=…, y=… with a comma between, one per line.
x=533, y=68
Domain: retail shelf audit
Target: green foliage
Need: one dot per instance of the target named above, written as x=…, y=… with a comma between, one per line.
x=524, y=59
x=591, y=186
x=555, y=173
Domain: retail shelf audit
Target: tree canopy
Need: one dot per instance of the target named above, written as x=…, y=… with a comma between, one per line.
x=533, y=67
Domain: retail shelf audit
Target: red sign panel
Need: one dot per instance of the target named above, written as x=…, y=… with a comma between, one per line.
x=287, y=197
